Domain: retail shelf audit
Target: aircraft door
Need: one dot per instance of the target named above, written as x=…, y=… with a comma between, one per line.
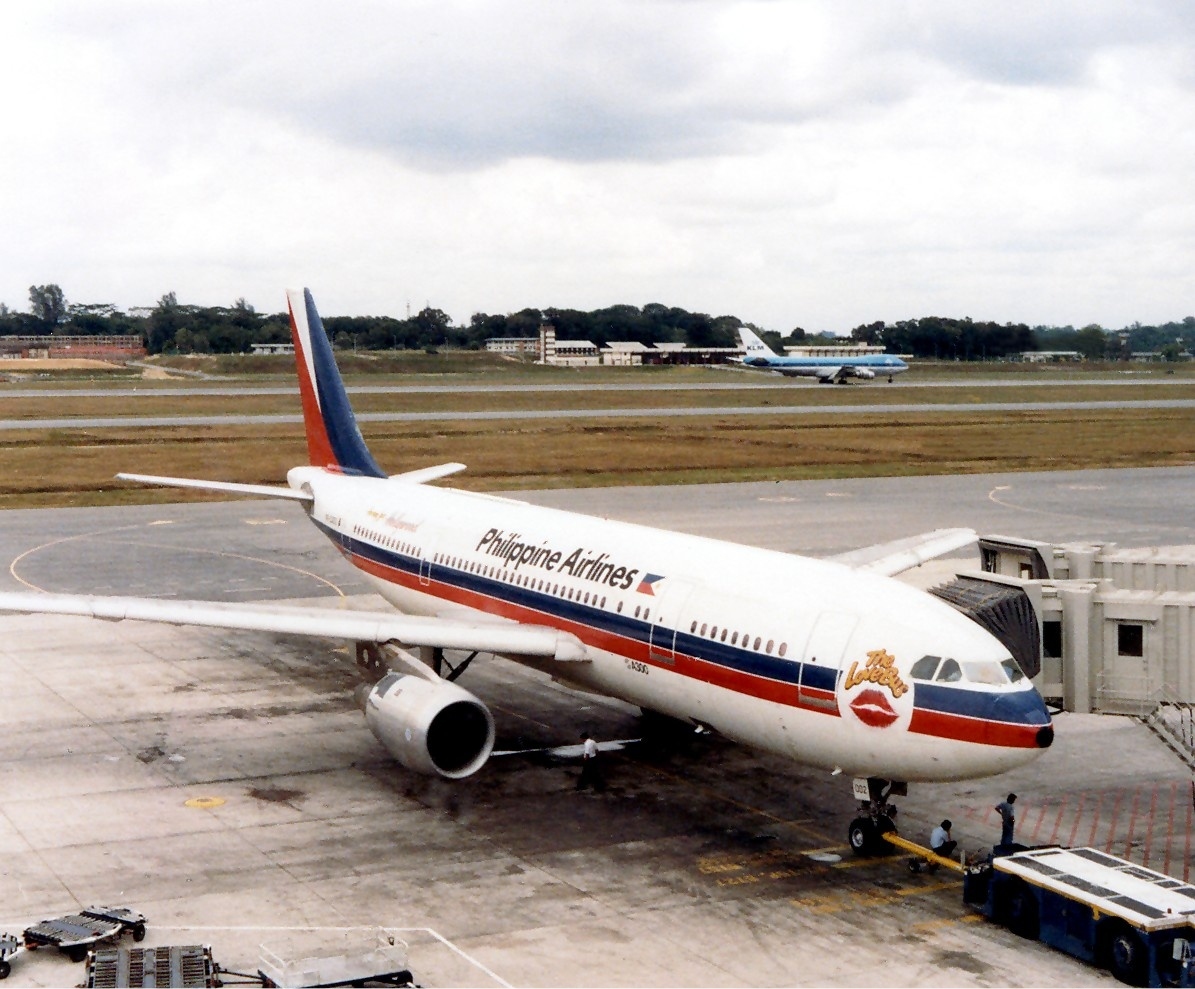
x=425, y=568
x=667, y=615
x=827, y=644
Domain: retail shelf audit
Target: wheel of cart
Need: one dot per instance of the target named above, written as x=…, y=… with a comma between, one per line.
x=1123, y=952
x=10, y=946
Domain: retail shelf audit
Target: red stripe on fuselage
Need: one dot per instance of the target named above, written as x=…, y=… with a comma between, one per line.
x=938, y=724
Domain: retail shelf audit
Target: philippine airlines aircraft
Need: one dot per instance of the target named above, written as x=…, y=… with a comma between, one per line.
x=827, y=370
x=833, y=665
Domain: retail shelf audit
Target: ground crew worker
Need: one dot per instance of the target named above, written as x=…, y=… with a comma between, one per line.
x=940, y=841
x=1008, y=819
x=589, y=769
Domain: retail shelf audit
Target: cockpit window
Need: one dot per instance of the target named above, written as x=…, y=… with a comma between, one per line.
x=989, y=673
x=1014, y=672
x=924, y=668
x=949, y=672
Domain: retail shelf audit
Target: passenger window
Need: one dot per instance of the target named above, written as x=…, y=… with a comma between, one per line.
x=693, y=627
x=924, y=668
x=783, y=649
x=723, y=635
x=636, y=611
x=949, y=672
x=756, y=646
x=703, y=628
x=714, y=632
x=769, y=650
x=734, y=639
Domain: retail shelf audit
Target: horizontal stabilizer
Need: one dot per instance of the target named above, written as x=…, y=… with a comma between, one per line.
x=900, y=555
x=224, y=487
x=332, y=623
x=425, y=474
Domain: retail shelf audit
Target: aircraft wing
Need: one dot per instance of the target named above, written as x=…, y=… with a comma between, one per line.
x=510, y=638
x=900, y=555
x=829, y=373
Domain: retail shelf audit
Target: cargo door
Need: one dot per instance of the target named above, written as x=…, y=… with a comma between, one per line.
x=827, y=644
x=667, y=616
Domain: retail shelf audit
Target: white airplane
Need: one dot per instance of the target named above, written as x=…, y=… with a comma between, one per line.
x=835, y=666
x=827, y=370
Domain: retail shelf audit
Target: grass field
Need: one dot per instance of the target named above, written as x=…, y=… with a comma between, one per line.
x=75, y=466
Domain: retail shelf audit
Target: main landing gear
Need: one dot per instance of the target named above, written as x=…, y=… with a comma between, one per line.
x=876, y=815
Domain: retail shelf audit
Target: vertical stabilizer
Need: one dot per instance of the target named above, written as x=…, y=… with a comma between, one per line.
x=333, y=438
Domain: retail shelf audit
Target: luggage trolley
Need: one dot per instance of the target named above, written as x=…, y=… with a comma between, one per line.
x=77, y=933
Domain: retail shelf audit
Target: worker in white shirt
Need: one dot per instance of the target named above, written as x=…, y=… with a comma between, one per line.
x=940, y=841
x=589, y=770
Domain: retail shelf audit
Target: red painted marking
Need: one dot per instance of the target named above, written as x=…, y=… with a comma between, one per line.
x=1187, y=844
x=1058, y=822
x=1170, y=825
x=872, y=708
x=1132, y=825
x=1149, y=831
x=1112, y=825
x=1078, y=817
x=1095, y=820
x=1041, y=813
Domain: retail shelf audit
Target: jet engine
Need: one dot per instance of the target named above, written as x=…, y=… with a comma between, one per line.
x=430, y=726
x=864, y=373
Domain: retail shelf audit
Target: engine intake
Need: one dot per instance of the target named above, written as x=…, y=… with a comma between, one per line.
x=431, y=727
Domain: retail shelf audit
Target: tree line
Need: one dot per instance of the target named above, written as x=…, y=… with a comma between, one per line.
x=174, y=327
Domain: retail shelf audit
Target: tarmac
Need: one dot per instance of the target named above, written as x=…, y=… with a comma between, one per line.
x=225, y=785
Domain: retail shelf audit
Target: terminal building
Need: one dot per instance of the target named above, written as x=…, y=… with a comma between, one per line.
x=546, y=349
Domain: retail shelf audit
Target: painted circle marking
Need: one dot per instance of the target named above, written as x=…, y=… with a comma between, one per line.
x=204, y=803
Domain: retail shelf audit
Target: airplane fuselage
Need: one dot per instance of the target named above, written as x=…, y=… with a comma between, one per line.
x=805, y=658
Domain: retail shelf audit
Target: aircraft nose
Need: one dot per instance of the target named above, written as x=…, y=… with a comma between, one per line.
x=1026, y=714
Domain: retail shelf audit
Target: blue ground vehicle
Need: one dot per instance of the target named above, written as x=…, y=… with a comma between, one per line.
x=1137, y=923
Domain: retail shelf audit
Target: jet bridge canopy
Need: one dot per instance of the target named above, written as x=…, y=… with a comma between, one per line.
x=1003, y=610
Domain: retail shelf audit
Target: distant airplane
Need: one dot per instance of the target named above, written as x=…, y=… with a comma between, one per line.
x=827, y=370
x=831, y=665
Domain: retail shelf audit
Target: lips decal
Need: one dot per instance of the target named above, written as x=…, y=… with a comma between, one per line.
x=872, y=708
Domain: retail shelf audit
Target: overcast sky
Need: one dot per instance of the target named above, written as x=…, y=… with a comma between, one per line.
x=791, y=163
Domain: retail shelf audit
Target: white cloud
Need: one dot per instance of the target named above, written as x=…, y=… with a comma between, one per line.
x=813, y=164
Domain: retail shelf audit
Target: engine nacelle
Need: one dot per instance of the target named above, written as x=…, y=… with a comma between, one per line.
x=864, y=373
x=432, y=727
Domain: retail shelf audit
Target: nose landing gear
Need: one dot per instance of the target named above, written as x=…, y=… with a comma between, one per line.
x=876, y=815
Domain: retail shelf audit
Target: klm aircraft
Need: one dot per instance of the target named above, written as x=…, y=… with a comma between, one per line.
x=827, y=370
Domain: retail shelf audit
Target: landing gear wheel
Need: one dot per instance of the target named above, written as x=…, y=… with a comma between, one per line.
x=138, y=932
x=77, y=952
x=5, y=969
x=862, y=836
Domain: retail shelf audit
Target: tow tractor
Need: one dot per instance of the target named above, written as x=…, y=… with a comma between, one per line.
x=1138, y=923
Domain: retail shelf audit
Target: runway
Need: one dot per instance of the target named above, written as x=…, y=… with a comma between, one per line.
x=884, y=409
x=704, y=863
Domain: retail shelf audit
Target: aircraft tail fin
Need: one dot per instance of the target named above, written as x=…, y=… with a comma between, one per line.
x=333, y=437
x=754, y=346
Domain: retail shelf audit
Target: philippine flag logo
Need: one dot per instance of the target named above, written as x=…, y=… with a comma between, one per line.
x=648, y=582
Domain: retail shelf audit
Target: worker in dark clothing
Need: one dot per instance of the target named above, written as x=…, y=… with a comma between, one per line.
x=590, y=776
x=1008, y=819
